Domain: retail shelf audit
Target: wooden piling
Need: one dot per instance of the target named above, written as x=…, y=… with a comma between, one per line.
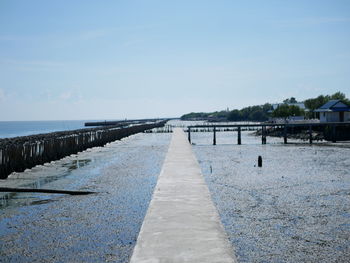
x=189, y=134
x=20, y=153
x=310, y=134
x=263, y=134
x=285, y=134
x=334, y=134
x=259, y=161
x=214, y=136
x=239, y=141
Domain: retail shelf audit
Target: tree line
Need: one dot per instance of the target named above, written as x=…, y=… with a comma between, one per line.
x=263, y=112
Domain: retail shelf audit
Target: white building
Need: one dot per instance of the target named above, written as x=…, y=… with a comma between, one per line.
x=334, y=111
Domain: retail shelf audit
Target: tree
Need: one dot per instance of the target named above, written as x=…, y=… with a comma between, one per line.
x=235, y=115
x=291, y=100
x=285, y=111
x=340, y=96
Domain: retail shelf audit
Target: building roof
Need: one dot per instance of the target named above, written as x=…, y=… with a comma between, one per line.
x=333, y=106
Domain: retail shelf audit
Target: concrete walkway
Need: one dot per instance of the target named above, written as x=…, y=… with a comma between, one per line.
x=182, y=223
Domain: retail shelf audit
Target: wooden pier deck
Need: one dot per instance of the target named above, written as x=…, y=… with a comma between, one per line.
x=182, y=223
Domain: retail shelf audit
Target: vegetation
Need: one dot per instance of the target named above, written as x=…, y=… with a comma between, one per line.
x=254, y=113
x=262, y=112
x=285, y=110
x=315, y=103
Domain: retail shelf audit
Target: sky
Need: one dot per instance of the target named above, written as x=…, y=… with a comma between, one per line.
x=92, y=60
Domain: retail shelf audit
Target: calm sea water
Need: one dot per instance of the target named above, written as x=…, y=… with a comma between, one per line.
x=10, y=129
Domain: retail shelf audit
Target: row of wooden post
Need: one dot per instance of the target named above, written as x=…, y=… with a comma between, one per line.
x=20, y=153
x=264, y=134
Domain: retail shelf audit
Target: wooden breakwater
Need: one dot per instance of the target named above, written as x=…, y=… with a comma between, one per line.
x=20, y=153
x=120, y=122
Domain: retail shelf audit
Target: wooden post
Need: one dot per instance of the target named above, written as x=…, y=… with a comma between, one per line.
x=285, y=134
x=189, y=134
x=239, y=141
x=334, y=139
x=259, y=161
x=263, y=134
x=310, y=134
x=214, y=138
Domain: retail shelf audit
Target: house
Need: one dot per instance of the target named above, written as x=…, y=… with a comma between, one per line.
x=334, y=111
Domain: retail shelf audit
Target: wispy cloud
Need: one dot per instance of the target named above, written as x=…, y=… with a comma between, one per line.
x=33, y=65
x=313, y=21
x=17, y=38
x=72, y=94
x=83, y=35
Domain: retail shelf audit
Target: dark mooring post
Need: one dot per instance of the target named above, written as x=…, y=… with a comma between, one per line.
x=214, y=138
x=263, y=134
x=259, y=161
x=189, y=134
x=334, y=139
x=285, y=134
x=239, y=141
x=310, y=134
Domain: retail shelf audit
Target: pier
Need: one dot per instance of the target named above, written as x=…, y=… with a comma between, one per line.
x=333, y=130
x=182, y=223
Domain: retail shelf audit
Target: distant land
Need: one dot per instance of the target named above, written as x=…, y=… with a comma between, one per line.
x=263, y=112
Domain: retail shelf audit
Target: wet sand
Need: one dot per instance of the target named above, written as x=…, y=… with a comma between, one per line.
x=101, y=227
x=296, y=208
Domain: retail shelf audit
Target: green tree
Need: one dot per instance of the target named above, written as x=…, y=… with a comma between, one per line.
x=291, y=100
x=235, y=115
x=285, y=111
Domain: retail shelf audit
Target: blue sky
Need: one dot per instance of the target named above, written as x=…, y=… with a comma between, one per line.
x=136, y=59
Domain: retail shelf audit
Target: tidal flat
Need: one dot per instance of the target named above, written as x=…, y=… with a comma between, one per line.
x=102, y=227
x=295, y=208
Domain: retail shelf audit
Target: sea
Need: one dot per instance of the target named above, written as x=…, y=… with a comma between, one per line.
x=9, y=129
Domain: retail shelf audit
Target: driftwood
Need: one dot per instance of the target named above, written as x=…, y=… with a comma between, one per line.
x=46, y=191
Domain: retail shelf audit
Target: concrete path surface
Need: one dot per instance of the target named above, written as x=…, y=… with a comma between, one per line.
x=182, y=223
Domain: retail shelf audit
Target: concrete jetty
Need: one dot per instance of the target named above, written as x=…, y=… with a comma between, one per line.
x=182, y=223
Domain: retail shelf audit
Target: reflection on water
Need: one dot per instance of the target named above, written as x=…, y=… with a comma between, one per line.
x=293, y=209
x=76, y=164
x=20, y=199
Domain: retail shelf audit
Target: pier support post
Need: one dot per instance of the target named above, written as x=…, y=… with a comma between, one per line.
x=334, y=135
x=263, y=134
x=239, y=141
x=214, y=138
x=310, y=134
x=285, y=134
x=189, y=134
